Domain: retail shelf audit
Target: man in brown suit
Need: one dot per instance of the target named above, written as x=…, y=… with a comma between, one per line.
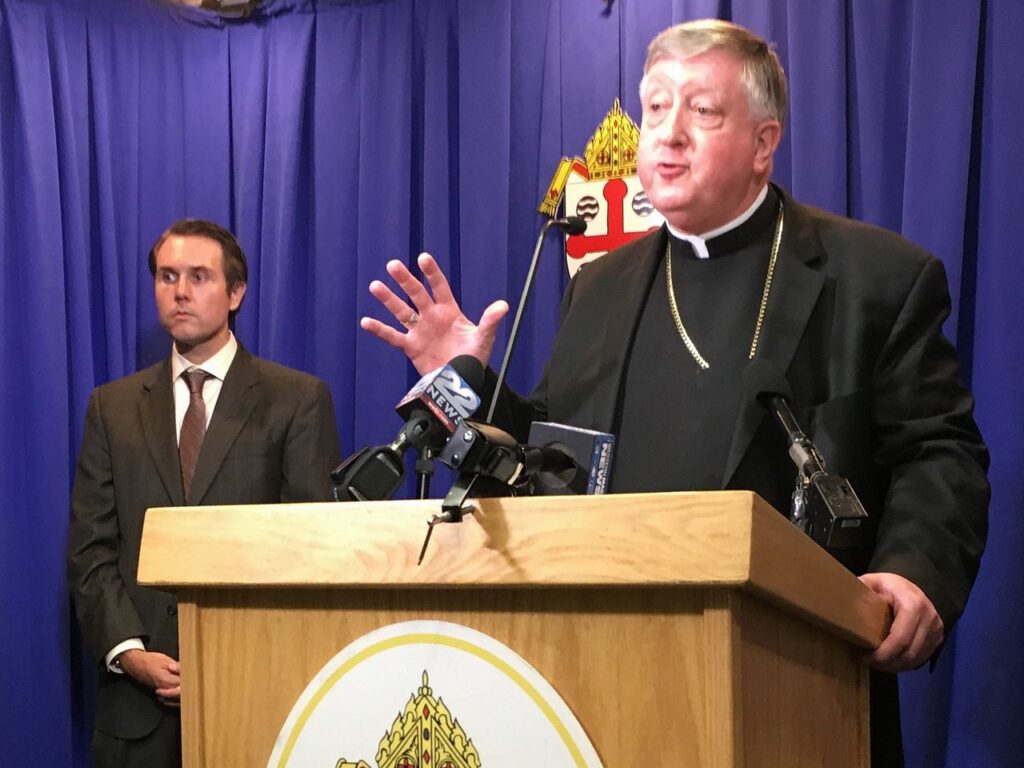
x=210, y=424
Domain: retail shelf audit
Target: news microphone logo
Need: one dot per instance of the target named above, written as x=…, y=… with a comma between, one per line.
x=446, y=394
x=592, y=452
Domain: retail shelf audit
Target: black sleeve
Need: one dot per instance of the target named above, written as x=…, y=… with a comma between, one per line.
x=935, y=519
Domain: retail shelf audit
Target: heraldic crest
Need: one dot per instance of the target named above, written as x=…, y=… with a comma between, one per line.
x=423, y=735
x=603, y=188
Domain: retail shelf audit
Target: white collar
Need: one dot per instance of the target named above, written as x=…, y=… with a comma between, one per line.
x=699, y=242
x=216, y=366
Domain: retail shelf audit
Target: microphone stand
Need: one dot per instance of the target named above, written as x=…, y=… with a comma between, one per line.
x=424, y=471
x=574, y=225
x=453, y=507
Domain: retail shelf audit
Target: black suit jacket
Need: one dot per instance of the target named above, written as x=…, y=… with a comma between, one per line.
x=272, y=438
x=854, y=319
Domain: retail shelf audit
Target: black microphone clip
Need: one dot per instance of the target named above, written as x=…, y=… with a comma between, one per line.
x=482, y=449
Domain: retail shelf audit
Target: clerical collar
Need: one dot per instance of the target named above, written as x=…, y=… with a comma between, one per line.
x=732, y=235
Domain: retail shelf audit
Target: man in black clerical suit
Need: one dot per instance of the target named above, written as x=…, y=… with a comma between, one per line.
x=210, y=424
x=655, y=336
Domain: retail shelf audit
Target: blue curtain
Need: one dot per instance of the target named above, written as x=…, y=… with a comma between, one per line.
x=333, y=136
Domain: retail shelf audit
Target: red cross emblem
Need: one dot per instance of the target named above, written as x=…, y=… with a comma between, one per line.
x=578, y=246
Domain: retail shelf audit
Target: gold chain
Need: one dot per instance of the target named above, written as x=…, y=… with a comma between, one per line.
x=704, y=365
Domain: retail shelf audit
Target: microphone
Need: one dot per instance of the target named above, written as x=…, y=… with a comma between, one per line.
x=765, y=381
x=434, y=407
x=572, y=225
x=449, y=393
x=590, y=450
x=489, y=452
x=490, y=462
x=824, y=505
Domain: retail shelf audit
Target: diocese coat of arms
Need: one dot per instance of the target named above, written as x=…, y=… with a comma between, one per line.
x=423, y=735
x=603, y=188
x=497, y=710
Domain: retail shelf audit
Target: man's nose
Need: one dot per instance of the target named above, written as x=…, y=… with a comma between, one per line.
x=182, y=290
x=676, y=128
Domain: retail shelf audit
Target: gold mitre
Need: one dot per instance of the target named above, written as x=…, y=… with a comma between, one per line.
x=611, y=151
x=426, y=733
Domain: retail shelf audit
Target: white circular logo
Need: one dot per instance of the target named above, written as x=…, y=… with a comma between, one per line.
x=430, y=694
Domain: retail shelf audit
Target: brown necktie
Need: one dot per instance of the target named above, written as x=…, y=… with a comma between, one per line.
x=193, y=428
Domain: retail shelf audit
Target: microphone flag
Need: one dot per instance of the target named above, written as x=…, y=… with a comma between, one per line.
x=445, y=393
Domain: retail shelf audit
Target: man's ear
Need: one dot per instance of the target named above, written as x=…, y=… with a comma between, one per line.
x=766, y=141
x=235, y=296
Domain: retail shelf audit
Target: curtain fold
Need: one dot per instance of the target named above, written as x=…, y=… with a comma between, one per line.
x=334, y=135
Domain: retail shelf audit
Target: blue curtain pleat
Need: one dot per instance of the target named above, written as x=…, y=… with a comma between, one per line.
x=484, y=107
x=334, y=135
x=335, y=187
x=986, y=695
x=34, y=470
x=381, y=208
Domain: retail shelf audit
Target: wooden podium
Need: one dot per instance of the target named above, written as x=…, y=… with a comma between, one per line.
x=696, y=629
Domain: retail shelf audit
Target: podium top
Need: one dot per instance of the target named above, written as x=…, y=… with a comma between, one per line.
x=728, y=539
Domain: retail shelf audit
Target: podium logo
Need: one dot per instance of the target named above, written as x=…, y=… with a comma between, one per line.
x=424, y=733
x=478, y=705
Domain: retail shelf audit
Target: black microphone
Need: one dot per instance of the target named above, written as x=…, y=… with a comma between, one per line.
x=765, y=381
x=824, y=505
x=449, y=393
x=476, y=448
x=484, y=450
x=591, y=451
x=490, y=462
x=434, y=407
x=572, y=225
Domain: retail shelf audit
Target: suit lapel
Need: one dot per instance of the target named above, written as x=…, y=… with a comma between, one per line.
x=796, y=289
x=235, y=403
x=619, y=325
x=156, y=412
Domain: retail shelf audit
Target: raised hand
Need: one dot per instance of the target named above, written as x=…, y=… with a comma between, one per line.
x=436, y=330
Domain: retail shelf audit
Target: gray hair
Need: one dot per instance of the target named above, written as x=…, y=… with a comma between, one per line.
x=762, y=74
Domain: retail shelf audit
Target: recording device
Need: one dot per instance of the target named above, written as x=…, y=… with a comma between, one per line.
x=482, y=449
x=491, y=462
x=824, y=506
x=434, y=407
x=572, y=225
x=449, y=393
x=591, y=451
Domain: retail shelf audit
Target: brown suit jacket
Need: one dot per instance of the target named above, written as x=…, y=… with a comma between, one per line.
x=272, y=438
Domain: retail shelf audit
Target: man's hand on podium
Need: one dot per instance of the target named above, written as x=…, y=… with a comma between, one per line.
x=154, y=670
x=916, y=630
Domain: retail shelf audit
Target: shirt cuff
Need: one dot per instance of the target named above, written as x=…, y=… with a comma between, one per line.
x=117, y=650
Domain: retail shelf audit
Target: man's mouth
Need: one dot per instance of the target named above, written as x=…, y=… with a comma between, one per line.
x=672, y=169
